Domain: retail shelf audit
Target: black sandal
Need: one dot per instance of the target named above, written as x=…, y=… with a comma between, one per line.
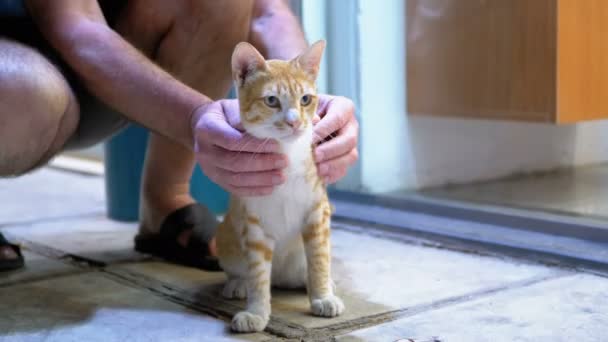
x=203, y=224
x=11, y=264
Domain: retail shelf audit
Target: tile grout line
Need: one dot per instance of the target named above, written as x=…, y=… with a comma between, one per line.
x=593, y=272
x=373, y=320
x=204, y=303
x=283, y=329
x=52, y=253
x=220, y=309
x=201, y=303
x=34, y=279
x=81, y=265
x=277, y=327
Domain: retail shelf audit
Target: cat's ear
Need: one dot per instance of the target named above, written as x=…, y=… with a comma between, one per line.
x=246, y=60
x=310, y=60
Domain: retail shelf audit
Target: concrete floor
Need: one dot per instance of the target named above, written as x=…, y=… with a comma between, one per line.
x=582, y=191
x=84, y=282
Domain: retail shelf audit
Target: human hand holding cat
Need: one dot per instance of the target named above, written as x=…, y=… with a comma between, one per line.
x=338, y=123
x=238, y=162
x=247, y=166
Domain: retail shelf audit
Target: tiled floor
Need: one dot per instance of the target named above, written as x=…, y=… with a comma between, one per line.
x=83, y=282
x=580, y=191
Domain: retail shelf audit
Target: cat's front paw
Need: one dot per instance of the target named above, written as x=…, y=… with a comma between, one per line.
x=235, y=289
x=331, y=306
x=245, y=321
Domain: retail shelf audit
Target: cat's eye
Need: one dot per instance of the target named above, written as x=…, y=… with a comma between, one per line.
x=271, y=101
x=305, y=100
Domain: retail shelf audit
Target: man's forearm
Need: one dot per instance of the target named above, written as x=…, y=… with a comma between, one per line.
x=129, y=82
x=114, y=71
x=275, y=30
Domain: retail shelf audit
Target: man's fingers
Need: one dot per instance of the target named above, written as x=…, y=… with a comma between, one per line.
x=336, y=176
x=336, y=168
x=316, y=119
x=247, y=161
x=232, y=112
x=217, y=127
x=340, y=145
x=220, y=133
x=340, y=111
x=253, y=184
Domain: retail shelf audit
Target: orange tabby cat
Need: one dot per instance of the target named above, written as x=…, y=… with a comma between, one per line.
x=283, y=238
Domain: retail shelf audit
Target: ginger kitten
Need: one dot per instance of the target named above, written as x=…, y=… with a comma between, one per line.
x=281, y=239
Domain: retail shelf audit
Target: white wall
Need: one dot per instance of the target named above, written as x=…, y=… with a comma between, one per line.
x=401, y=151
x=385, y=152
x=315, y=28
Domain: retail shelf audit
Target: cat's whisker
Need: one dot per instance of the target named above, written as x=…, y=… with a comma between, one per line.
x=240, y=149
x=259, y=149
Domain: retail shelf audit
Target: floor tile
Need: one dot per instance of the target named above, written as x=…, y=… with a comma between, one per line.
x=564, y=309
x=95, y=238
x=181, y=277
x=36, y=267
x=580, y=191
x=48, y=193
x=93, y=308
x=373, y=276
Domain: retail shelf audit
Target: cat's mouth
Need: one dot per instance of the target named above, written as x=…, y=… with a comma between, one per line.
x=291, y=132
x=278, y=133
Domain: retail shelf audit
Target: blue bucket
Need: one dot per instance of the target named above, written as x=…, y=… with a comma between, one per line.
x=124, y=159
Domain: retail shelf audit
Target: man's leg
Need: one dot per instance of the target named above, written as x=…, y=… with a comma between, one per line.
x=196, y=49
x=38, y=112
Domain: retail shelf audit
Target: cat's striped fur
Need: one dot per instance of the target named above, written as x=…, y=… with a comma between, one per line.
x=282, y=239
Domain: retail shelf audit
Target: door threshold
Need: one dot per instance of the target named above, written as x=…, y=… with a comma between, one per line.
x=544, y=237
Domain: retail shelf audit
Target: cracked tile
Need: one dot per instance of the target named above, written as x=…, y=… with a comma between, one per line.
x=186, y=278
x=373, y=276
x=91, y=307
x=563, y=309
x=36, y=267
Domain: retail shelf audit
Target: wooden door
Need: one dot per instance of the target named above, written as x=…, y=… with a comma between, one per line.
x=525, y=60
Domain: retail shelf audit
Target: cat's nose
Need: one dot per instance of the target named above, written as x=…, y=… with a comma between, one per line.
x=294, y=123
x=292, y=119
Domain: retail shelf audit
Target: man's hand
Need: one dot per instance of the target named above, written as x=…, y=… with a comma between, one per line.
x=336, y=134
x=238, y=162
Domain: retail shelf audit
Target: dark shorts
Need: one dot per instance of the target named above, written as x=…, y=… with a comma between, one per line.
x=97, y=121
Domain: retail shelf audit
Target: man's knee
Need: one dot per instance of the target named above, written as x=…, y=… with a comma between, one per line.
x=38, y=111
x=192, y=40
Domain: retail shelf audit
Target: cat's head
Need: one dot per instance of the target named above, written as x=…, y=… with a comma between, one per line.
x=277, y=99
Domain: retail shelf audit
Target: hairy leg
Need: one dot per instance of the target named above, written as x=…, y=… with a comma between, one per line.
x=193, y=40
x=38, y=112
x=38, y=109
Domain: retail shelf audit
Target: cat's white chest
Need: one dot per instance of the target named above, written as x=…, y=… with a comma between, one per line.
x=283, y=214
